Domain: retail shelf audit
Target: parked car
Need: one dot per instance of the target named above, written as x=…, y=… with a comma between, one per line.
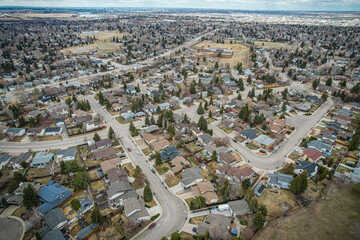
x=234, y=140
x=129, y=149
x=152, y=225
x=194, y=229
x=262, y=151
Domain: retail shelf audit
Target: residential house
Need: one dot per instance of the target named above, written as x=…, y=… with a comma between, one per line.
x=47, y=234
x=86, y=232
x=169, y=153
x=18, y=197
x=17, y=160
x=238, y=175
x=311, y=168
x=100, y=145
x=227, y=158
x=320, y=146
x=158, y=146
x=68, y=154
x=264, y=141
x=90, y=126
x=249, y=134
x=313, y=98
x=239, y=207
x=206, y=189
x=60, y=122
x=304, y=106
x=312, y=154
x=53, y=131
x=178, y=164
x=16, y=132
x=135, y=211
x=116, y=174
x=206, y=138
x=280, y=180
x=128, y=116
x=191, y=177
x=35, y=132
x=41, y=159
x=55, y=219
x=52, y=195
x=118, y=192
x=217, y=225
x=4, y=160
x=105, y=153
x=109, y=164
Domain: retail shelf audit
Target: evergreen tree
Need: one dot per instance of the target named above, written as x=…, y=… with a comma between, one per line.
x=158, y=160
x=111, y=133
x=239, y=97
x=75, y=204
x=148, y=196
x=329, y=82
x=96, y=137
x=96, y=217
x=300, y=183
x=152, y=120
x=200, y=109
x=202, y=124
x=81, y=180
x=30, y=196
x=259, y=220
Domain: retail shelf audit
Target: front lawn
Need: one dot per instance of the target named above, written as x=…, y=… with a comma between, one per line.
x=252, y=146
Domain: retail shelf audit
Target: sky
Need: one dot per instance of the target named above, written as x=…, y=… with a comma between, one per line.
x=297, y=5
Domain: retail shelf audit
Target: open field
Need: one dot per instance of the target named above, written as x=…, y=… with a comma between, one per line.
x=276, y=45
x=337, y=216
x=100, y=47
x=240, y=53
x=104, y=35
x=36, y=16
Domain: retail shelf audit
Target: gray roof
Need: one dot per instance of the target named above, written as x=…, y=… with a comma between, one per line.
x=206, y=138
x=21, y=157
x=132, y=204
x=83, y=233
x=218, y=226
x=52, y=129
x=239, y=207
x=52, y=235
x=308, y=166
x=14, y=130
x=249, y=133
x=117, y=187
x=4, y=158
x=259, y=189
x=54, y=217
x=69, y=152
x=277, y=178
x=316, y=144
x=189, y=175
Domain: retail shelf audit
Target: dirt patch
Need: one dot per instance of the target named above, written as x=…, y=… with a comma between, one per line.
x=337, y=216
x=197, y=220
x=147, y=151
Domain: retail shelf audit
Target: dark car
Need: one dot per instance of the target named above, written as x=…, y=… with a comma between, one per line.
x=152, y=225
x=262, y=151
x=234, y=140
x=194, y=229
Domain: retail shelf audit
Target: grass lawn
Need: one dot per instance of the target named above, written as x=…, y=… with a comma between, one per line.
x=172, y=180
x=294, y=156
x=152, y=203
x=237, y=156
x=49, y=138
x=188, y=200
x=239, y=139
x=226, y=130
x=213, y=165
x=90, y=163
x=197, y=220
x=210, y=120
x=93, y=174
x=121, y=120
x=38, y=172
x=18, y=212
x=194, y=162
x=337, y=216
x=97, y=186
x=252, y=146
x=186, y=235
x=129, y=167
x=277, y=203
x=17, y=139
x=147, y=151
x=162, y=168
x=193, y=148
x=273, y=45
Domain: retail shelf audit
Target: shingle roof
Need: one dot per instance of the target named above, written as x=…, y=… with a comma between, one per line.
x=54, y=217
x=169, y=153
x=249, y=133
x=189, y=175
x=264, y=140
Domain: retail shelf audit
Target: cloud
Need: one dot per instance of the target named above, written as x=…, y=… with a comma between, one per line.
x=310, y=5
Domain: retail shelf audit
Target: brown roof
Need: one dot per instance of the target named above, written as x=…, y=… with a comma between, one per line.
x=117, y=175
x=176, y=163
x=108, y=153
x=107, y=165
x=240, y=173
x=279, y=122
x=149, y=137
x=275, y=128
x=205, y=186
x=224, y=168
x=227, y=157
x=160, y=145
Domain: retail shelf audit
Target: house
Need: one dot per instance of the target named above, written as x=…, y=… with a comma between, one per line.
x=68, y=154
x=264, y=141
x=227, y=123
x=105, y=153
x=100, y=145
x=259, y=189
x=128, y=116
x=320, y=146
x=16, y=132
x=280, y=180
x=135, y=211
x=53, y=131
x=238, y=175
x=169, y=153
x=191, y=177
x=87, y=231
x=4, y=160
x=178, y=164
x=109, y=164
x=41, y=159
x=90, y=126
x=47, y=234
x=60, y=122
x=313, y=154
x=312, y=98
x=249, y=134
x=55, y=219
x=116, y=175
x=206, y=138
x=149, y=138
x=304, y=106
x=35, y=132
x=18, y=197
x=206, y=190
x=217, y=225
x=164, y=106
x=311, y=168
x=149, y=129
x=52, y=195
x=227, y=158
x=239, y=207
x=158, y=146
x=17, y=160
x=118, y=192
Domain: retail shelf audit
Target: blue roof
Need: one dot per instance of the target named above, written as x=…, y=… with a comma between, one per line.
x=169, y=153
x=83, y=233
x=249, y=133
x=264, y=140
x=4, y=158
x=53, y=194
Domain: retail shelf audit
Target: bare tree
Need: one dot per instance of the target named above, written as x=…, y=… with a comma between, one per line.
x=129, y=227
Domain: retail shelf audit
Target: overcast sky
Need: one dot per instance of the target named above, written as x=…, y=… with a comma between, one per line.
x=309, y=5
